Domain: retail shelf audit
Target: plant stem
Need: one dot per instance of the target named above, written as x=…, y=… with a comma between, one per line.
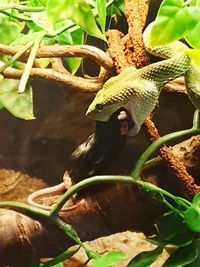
x=16, y=56
x=88, y=182
x=22, y=8
x=28, y=66
x=15, y=16
x=196, y=120
x=155, y=145
x=63, y=256
x=25, y=207
x=73, y=235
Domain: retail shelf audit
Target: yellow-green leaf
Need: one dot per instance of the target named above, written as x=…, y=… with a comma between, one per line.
x=58, y=10
x=83, y=16
x=20, y=105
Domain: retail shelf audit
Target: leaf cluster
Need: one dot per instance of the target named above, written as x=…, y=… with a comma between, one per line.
x=34, y=23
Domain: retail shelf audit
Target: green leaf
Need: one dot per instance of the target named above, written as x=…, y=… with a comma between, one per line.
x=174, y=20
x=182, y=256
x=83, y=16
x=57, y=261
x=109, y=259
x=145, y=258
x=101, y=8
x=77, y=39
x=120, y=4
x=173, y=230
x=1, y=106
x=40, y=22
x=193, y=37
x=196, y=199
x=20, y=105
x=58, y=10
x=9, y=31
x=192, y=219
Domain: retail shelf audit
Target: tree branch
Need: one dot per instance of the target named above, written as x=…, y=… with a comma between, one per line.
x=94, y=53
x=77, y=83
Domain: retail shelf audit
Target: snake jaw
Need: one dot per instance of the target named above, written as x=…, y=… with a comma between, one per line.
x=133, y=128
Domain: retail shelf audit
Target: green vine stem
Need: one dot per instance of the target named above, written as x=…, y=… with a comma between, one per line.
x=83, y=184
x=25, y=208
x=16, y=56
x=166, y=138
x=22, y=8
x=63, y=256
x=30, y=61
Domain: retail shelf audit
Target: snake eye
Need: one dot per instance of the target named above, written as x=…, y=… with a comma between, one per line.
x=99, y=107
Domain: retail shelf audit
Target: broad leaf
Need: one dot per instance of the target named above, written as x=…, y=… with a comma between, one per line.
x=101, y=8
x=20, y=105
x=58, y=10
x=9, y=31
x=174, y=20
x=193, y=37
x=83, y=16
x=192, y=219
x=145, y=258
x=40, y=22
x=182, y=256
x=109, y=259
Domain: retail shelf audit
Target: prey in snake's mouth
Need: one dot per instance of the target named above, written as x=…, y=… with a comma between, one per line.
x=126, y=117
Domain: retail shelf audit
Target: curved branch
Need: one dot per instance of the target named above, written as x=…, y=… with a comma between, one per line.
x=96, y=54
x=77, y=83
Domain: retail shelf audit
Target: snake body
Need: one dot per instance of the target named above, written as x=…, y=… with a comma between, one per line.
x=138, y=90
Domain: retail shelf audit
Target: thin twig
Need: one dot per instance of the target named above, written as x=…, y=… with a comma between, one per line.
x=77, y=83
x=52, y=51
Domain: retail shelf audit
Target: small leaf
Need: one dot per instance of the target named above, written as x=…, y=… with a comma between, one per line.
x=109, y=259
x=192, y=219
x=145, y=258
x=58, y=10
x=196, y=199
x=77, y=39
x=9, y=31
x=182, y=256
x=120, y=4
x=193, y=37
x=101, y=8
x=83, y=16
x=20, y=105
x=174, y=20
x=40, y=22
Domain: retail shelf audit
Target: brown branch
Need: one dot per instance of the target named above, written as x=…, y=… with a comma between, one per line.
x=77, y=83
x=189, y=188
x=57, y=65
x=117, y=50
x=136, y=12
x=94, y=53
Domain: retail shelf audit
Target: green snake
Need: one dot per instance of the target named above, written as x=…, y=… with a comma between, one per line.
x=138, y=90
